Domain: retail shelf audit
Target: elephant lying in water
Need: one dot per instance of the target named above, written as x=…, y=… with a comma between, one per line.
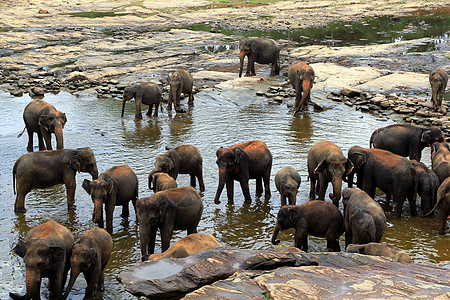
x=380, y=250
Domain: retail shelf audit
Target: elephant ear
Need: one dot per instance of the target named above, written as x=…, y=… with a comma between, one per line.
x=87, y=186
x=238, y=155
x=360, y=160
x=75, y=162
x=43, y=122
x=64, y=119
x=93, y=257
x=294, y=215
x=58, y=254
x=321, y=167
x=154, y=180
x=253, y=46
x=111, y=185
x=426, y=137
x=20, y=249
x=348, y=167
x=163, y=204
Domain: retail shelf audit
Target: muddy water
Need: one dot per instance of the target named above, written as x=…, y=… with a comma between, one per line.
x=219, y=118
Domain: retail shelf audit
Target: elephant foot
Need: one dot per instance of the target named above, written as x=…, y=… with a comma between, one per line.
x=16, y=296
x=216, y=202
x=258, y=194
x=20, y=210
x=248, y=200
x=181, y=111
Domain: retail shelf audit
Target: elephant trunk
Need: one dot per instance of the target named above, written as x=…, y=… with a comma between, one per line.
x=74, y=272
x=222, y=179
x=276, y=230
x=59, y=137
x=94, y=172
x=434, y=91
x=306, y=85
x=123, y=106
x=33, y=284
x=241, y=62
x=98, y=209
x=336, y=181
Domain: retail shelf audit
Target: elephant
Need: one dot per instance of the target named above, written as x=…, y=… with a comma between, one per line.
x=326, y=163
x=43, y=118
x=406, y=139
x=428, y=184
x=161, y=181
x=262, y=51
x=114, y=187
x=51, y=167
x=241, y=162
x=90, y=256
x=184, y=159
x=379, y=249
x=174, y=209
x=438, y=81
x=188, y=245
x=392, y=173
x=364, y=219
x=45, y=251
x=440, y=160
x=318, y=218
x=301, y=76
x=287, y=181
x=180, y=82
x=146, y=93
x=443, y=204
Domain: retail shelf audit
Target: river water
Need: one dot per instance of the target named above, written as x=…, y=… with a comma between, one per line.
x=219, y=118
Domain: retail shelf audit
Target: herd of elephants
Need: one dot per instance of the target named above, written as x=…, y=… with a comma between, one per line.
x=49, y=249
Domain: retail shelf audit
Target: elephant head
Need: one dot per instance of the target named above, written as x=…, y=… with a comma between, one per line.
x=163, y=163
x=54, y=122
x=41, y=260
x=84, y=161
x=100, y=190
x=176, y=85
x=432, y=135
x=287, y=217
x=247, y=47
x=336, y=168
x=82, y=259
x=232, y=162
x=128, y=94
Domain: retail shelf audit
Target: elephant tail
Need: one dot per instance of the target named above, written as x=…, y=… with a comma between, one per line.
x=435, y=206
x=371, y=140
x=14, y=177
x=20, y=134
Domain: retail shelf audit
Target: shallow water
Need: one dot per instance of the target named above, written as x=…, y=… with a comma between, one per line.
x=219, y=118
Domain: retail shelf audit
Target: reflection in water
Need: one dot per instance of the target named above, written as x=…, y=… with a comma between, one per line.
x=142, y=133
x=180, y=125
x=300, y=130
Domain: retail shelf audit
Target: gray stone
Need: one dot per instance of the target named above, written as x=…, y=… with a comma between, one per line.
x=351, y=93
x=17, y=92
x=38, y=91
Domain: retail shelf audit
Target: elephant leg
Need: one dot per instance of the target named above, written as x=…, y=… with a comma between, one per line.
x=348, y=237
x=259, y=187
x=101, y=281
x=193, y=183
x=398, y=205
x=199, y=175
x=442, y=216
x=266, y=180
x=125, y=211
x=90, y=289
x=150, y=110
x=22, y=191
x=70, y=190
x=250, y=66
x=301, y=240
x=283, y=200
x=333, y=244
x=48, y=139
x=166, y=236
x=169, y=105
x=147, y=238
x=191, y=98
x=193, y=228
x=177, y=101
x=332, y=237
x=322, y=186
x=109, y=212
x=41, y=142
x=245, y=190
x=312, y=190
x=155, y=114
x=412, y=205
x=230, y=190
x=30, y=140
x=137, y=108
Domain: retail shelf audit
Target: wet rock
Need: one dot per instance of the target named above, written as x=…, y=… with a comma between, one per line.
x=317, y=106
x=16, y=92
x=77, y=76
x=351, y=93
x=38, y=91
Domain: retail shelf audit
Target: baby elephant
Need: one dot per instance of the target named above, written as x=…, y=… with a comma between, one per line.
x=147, y=93
x=180, y=82
x=443, y=204
x=438, y=81
x=90, y=256
x=380, y=250
x=364, y=219
x=116, y=186
x=188, y=245
x=318, y=218
x=287, y=181
x=161, y=181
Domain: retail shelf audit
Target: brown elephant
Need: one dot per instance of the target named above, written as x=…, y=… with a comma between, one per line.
x=301, y=76
x=46, y=251
x=115, y=187
x=188, y=245
x=48, y=168
x=241, y=162
x=438, y=81
x=428, y=184
x=143, y=93
x=262, y=51
x=406, y=139
x=392, y=173
x=180, y=82
x=184, y=159
x=443, y=204
x=379, y=249
x=90, y=256
x=174, y=209
x=318, y=218
x=440, y=160
x=161, y=181
x=287, y=181
x=326, y=163
x=43, y=118
x=364, y=219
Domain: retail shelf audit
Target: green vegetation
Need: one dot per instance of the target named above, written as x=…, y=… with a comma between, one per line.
x=267, y=295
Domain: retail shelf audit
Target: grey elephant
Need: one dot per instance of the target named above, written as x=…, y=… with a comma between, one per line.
x=184, y=159
x=287, y=181
x=380, y=249
x=46, y=252
x=318, y=218
x=114, y=187
x=262, y=51
x=43, y=118
x=364, y=219
x=327, y=163
x=443, y=204
x=174, y=209
x=438, y=81
x=143, y=93
x=161, y=181
x=90, y=255
x=428, y=184
x=440, y=160
x=48, y=168
x=406, y=139
x=180, y=82
x=301, y=76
